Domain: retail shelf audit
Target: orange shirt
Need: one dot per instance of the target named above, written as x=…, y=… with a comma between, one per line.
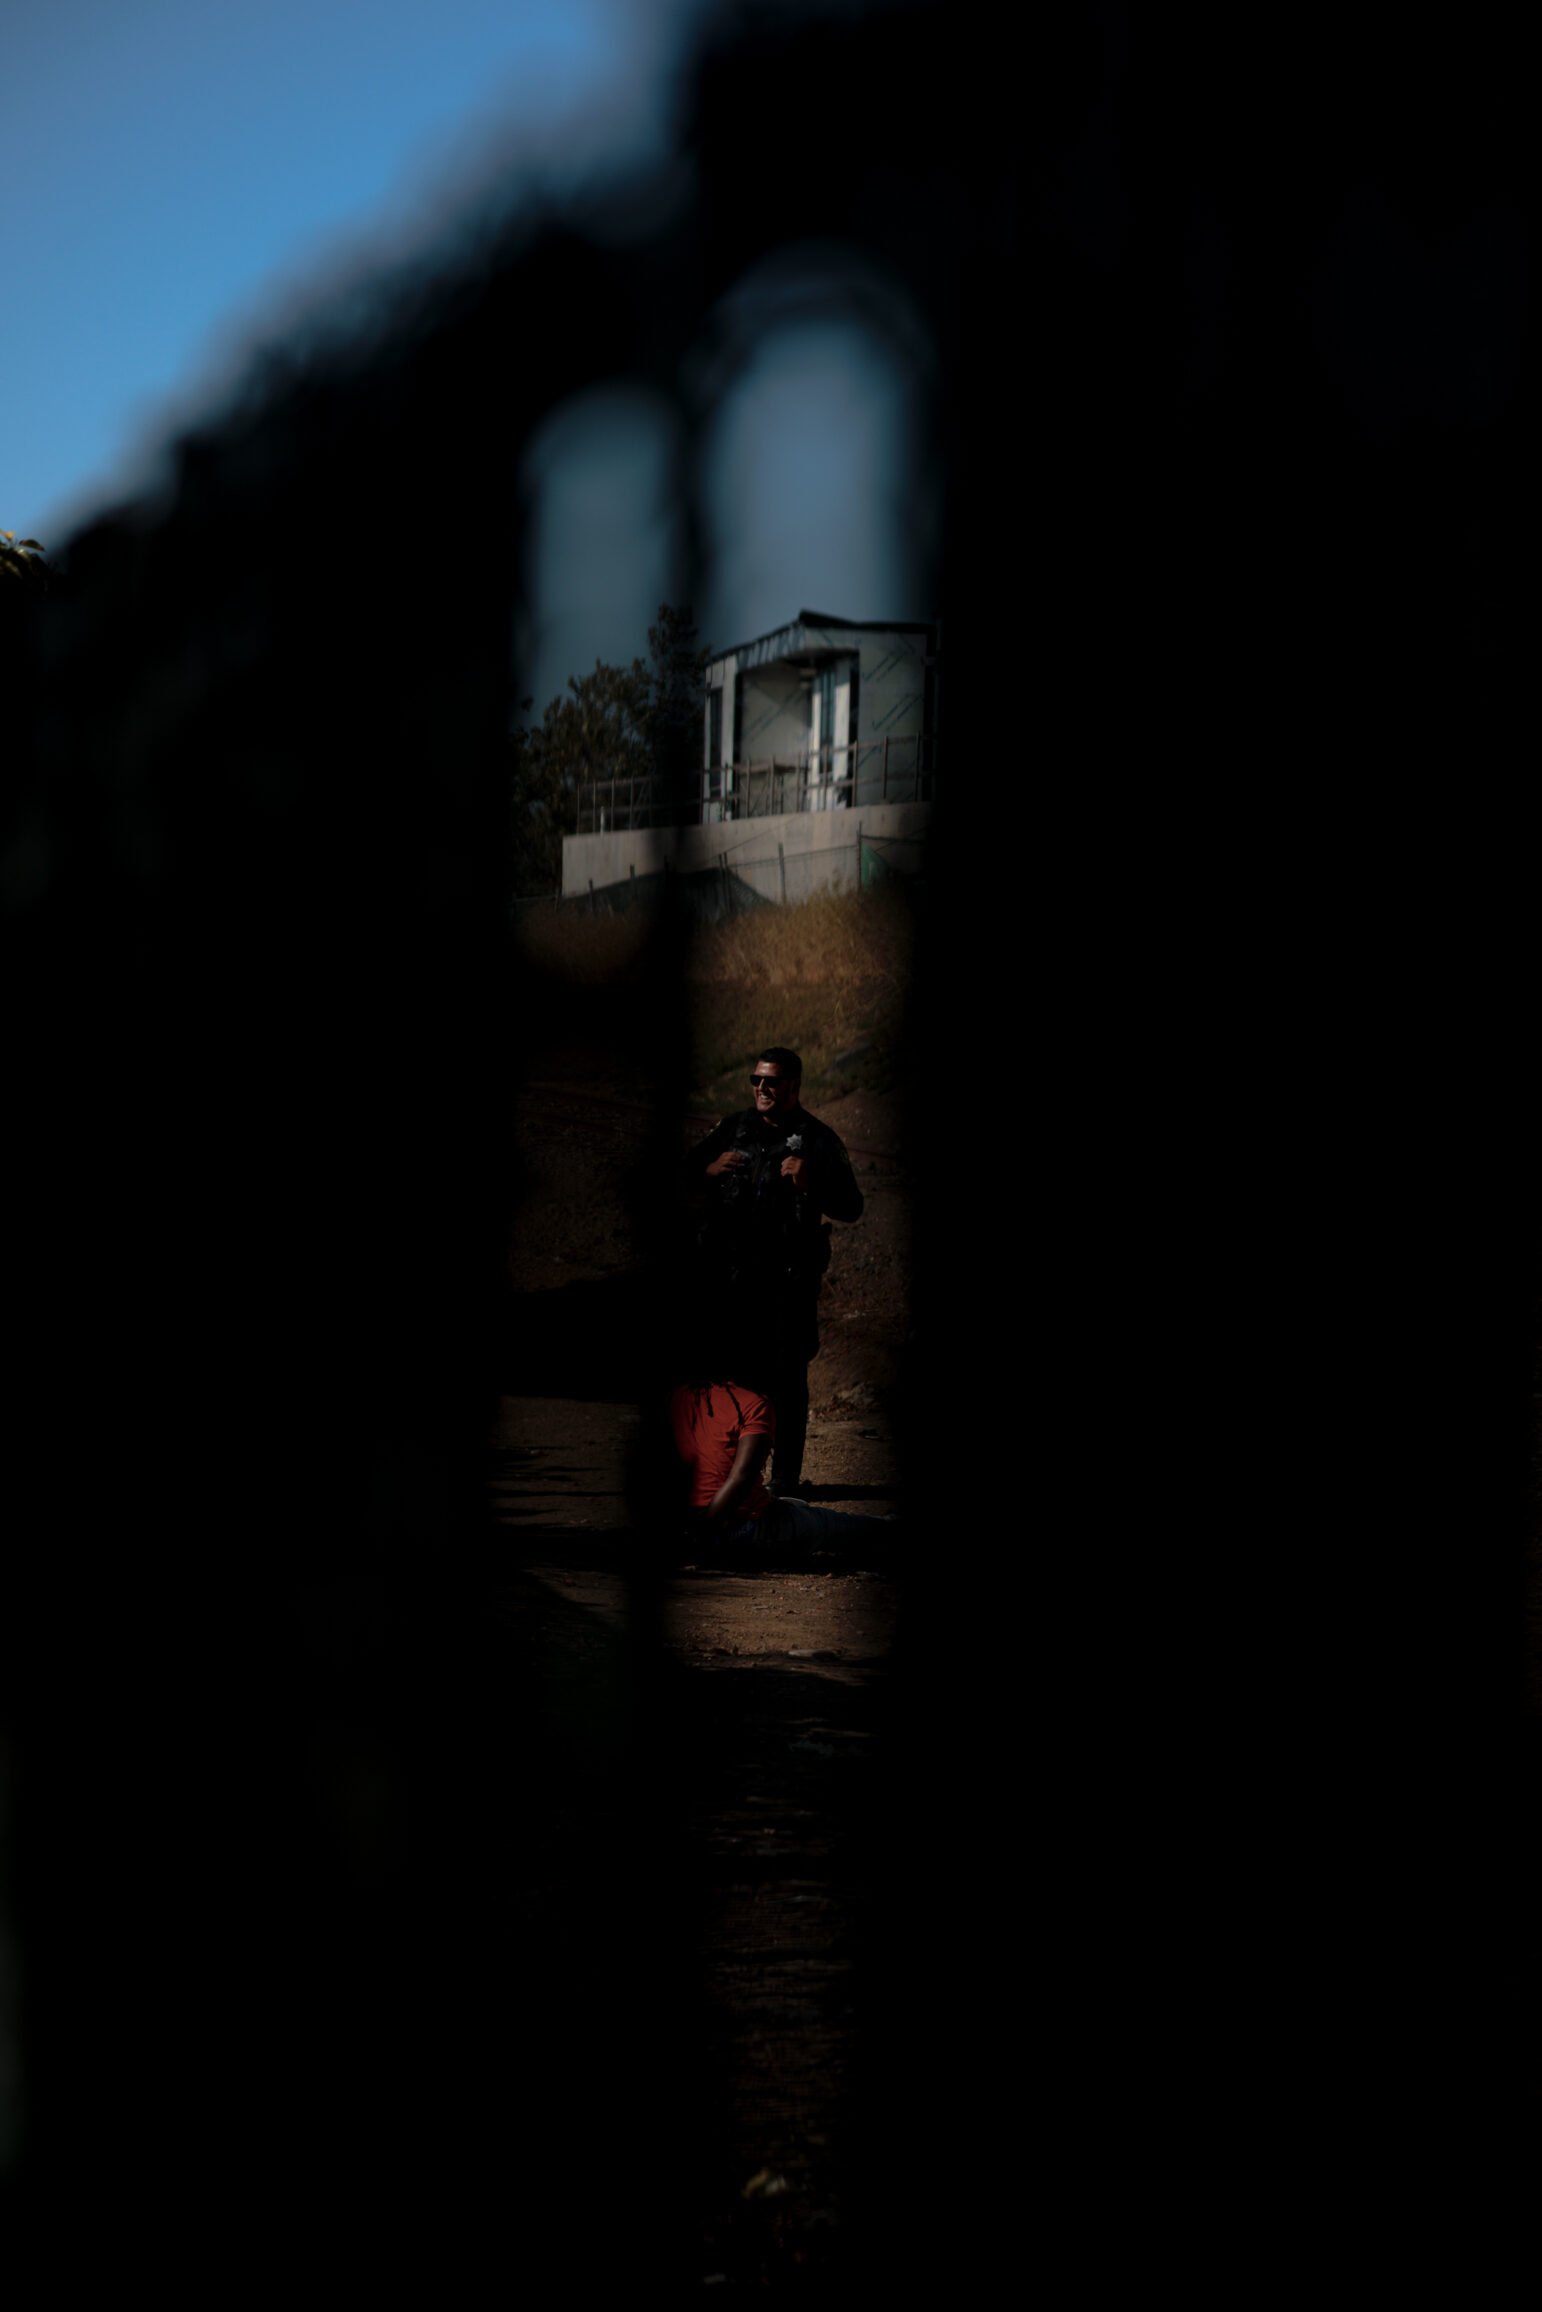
x=708, y=1424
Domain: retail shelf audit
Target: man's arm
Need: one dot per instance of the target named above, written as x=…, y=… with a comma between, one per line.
x=715, y=1154
x=749, y=1459
x=824, y=1171
x=840, y=1196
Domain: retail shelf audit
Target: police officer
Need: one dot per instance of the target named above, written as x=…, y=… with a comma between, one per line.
x=774, y=1177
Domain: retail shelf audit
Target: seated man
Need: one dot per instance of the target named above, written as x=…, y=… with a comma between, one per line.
x=723, y=1434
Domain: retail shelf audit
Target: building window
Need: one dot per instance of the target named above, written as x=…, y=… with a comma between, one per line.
x=826, y=763
x=712, y=780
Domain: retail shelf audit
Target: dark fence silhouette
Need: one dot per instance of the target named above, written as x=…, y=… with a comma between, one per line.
x=335, y=1964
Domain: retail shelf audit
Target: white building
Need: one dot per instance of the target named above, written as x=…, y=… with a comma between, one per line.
x=825, y=715
x=822, y=714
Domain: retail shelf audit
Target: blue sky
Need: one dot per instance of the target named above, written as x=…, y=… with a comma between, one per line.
x=176, y=167
x=180, y=173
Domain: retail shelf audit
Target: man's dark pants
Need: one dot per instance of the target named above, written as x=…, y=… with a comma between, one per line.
x=787, y=1388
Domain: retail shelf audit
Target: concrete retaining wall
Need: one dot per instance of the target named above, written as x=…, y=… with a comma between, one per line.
x=786, y=858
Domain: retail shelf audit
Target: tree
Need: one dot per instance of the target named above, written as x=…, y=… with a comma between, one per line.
x=673, y=713
x=21, y=560
x=638, y=724
x=24, y=580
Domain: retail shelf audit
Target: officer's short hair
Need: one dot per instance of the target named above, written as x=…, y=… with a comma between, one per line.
x=781, y=1057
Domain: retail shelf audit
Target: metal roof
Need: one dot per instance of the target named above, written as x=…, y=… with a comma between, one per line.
x=791, y=637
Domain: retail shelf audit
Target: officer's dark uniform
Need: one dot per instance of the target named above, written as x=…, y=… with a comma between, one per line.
x=761, y=1251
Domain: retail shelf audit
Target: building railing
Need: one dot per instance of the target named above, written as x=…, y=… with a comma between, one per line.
x=886, y=770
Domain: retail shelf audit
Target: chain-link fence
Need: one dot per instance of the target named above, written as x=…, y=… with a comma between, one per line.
x=869, y=772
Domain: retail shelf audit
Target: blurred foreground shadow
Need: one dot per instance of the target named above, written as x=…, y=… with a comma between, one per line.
x=307, y=1974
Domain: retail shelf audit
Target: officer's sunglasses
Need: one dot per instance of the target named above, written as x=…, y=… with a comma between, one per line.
x=768, y=1083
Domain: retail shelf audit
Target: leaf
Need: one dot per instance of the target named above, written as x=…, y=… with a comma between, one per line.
x=763, y=2185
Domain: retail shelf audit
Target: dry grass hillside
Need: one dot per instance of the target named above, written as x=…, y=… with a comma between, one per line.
x=827, y=977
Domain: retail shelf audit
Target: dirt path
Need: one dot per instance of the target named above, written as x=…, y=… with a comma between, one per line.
x=780, y=1675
